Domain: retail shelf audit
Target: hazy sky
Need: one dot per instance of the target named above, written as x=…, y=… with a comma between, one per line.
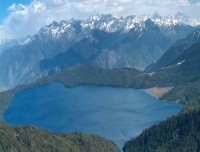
x=19, y=18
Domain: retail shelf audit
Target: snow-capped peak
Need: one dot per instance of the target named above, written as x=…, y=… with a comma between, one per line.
x=109, y=23
x=56, y=29
x=104, y=22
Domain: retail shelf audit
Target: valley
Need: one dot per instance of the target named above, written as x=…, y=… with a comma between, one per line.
x=133, y=80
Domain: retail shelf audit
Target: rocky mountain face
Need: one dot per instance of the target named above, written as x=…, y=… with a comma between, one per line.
x=143, y=42
x=84, y=51
x=109, y=41
x=137, y=49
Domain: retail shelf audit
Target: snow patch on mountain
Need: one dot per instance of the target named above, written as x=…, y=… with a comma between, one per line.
x=26, y=41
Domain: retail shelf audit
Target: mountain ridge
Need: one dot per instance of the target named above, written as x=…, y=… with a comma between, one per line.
x=110, y=23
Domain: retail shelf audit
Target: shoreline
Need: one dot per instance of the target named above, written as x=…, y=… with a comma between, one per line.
x=158, y=92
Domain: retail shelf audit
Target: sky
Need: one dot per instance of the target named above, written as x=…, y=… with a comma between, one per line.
x=20, y=18
x=4, y=4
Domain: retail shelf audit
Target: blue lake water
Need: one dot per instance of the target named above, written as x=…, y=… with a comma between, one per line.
x=114, y=113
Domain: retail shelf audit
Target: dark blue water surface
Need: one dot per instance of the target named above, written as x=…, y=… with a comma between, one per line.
x=114, y=113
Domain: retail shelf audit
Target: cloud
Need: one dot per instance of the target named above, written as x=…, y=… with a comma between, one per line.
x=26, y=20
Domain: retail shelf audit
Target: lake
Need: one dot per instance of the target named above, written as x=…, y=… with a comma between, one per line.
x=117, y=114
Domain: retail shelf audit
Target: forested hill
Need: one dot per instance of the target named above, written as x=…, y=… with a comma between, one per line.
x=177, y=134
x=31, y=139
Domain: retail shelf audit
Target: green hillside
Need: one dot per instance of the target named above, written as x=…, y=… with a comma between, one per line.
x=31, y=139
x=178, y=134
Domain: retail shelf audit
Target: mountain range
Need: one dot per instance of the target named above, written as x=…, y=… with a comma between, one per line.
x=134, y=41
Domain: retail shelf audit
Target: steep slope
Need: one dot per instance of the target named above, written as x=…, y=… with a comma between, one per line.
x=138, y=49
x=187, y=65
x=84, y=51
x=177, y=49
x=19, y=64
x=31, y=139
x=180, y=133
x=183, y=74
x=191, y=54
x=189, y=76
